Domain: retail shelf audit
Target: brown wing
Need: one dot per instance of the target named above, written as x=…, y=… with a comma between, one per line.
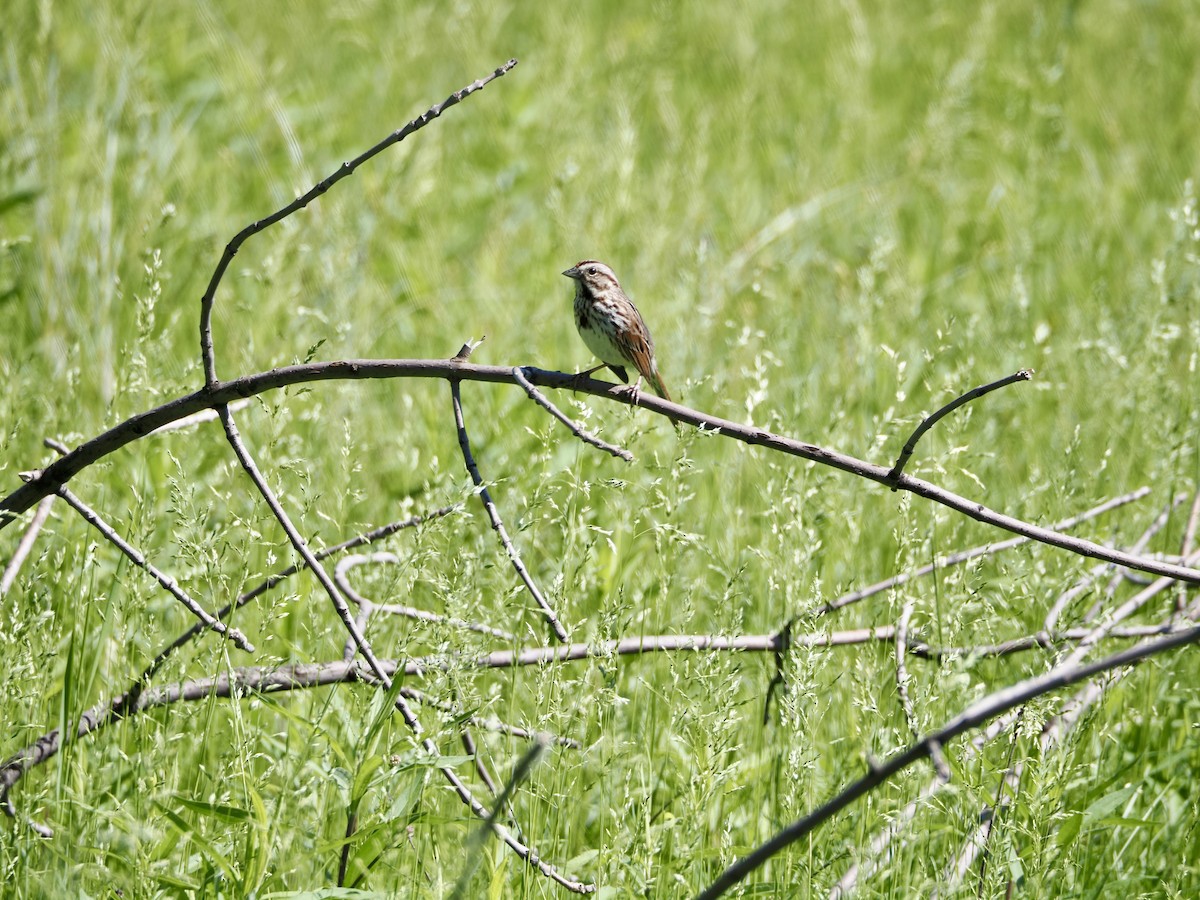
x=639, y=348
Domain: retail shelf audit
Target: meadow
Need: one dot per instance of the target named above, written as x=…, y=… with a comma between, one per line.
x=835, y=219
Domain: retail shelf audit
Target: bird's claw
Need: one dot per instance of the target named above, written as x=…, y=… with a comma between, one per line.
x=632, y=391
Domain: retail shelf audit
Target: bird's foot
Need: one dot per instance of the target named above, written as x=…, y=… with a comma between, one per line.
x=632, y=391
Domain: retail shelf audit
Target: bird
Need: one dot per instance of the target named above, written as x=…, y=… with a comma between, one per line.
x=612, y=327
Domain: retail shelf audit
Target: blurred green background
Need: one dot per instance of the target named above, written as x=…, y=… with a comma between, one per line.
x=834, y=218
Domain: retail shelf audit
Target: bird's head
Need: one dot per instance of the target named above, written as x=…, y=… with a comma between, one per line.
x=594, y=275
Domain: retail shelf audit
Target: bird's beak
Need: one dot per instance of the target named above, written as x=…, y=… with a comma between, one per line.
x=572, y=272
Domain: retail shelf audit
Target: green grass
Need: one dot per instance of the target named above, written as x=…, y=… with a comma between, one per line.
x=834, y=219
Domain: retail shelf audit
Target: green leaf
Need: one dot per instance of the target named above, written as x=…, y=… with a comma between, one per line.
x=1107, y=804
x=213, y=810
x=1069, y=830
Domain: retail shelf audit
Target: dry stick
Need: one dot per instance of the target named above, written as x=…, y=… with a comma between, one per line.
x=978, y=713
x=205, y=415
x=879, y=852
x=368, y=537
x=977, y=843
x=1122, y=612
x=60, y=471
x=168, y=583
x=1042, y=639
x=346, y=168
x=364, y=648
x=28, y=539
x=397, y=609
x=485, y=775
x=1067, y=597
x=495, y=725
x=497, y=523
x=963, y=556
x=911, y=444
x=474, y=848
x=366, y=609
x=25, y=545
x=576, y=429
x=902, y=676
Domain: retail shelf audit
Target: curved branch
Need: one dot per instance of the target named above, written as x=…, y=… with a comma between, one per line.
x=975, y=393
x=347, y=168
x=62, y=470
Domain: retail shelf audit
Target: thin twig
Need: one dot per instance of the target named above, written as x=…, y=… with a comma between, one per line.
x=123, y=704
x=574, y=427
x=1053, y=731
x=28, y=539
x=1120, y=614
x=983, y=710
x=485, y=775
x=963, y=556
x=206, y=302
x=902, y=676
x=1081, y=586
x=494, y=725
x=911, y=444
x=474, y=848
x=397, y=609
x=59, y=472
x=168, y=583
x=1189, y=531
x=1186, y=546
x=197, y=418
x=239, y=682
x=464, y=442
x=272, y=581
x=880, y=849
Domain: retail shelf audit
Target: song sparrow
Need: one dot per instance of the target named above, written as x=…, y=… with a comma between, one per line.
x=612, y=327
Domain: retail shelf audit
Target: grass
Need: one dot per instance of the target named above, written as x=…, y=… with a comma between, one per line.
x=834, y=219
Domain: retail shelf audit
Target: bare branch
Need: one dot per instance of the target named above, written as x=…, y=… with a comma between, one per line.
x=963, y=556
x=197, y=418
x=902, y=676
x=241, y=681
x=1138, y=546
x=168, y=583
x=474, y=848
x=397, y=609
x=495, y=725
x=464, y=442
x=60, y=471
x=911, y=444
x=206, y=302
x=28, y=539
x=578, y=430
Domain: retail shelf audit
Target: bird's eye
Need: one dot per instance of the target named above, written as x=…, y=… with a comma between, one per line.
x=591, y=270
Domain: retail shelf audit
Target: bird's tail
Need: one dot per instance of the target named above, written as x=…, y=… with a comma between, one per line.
x=658, y=384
